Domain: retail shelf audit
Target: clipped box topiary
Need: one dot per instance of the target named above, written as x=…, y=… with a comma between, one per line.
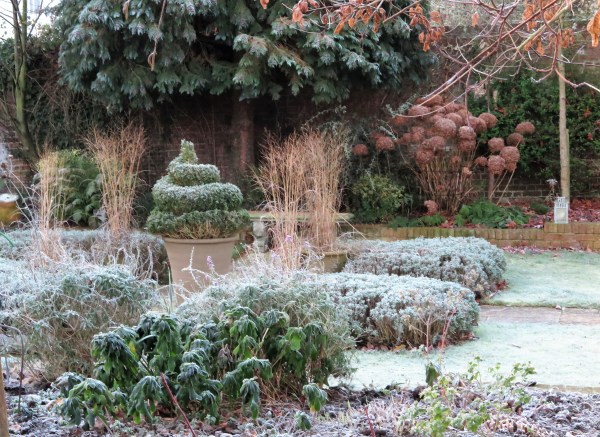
x=198, y=218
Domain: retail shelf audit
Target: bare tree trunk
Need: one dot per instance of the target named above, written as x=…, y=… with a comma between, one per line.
x=565, y=170
x=20, y=119
x=242, y=125
x=490, y=187
x=3, y=407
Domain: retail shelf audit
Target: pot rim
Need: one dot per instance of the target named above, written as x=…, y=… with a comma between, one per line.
x=200, y=241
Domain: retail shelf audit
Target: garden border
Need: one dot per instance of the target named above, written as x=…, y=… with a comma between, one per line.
x=552, y=236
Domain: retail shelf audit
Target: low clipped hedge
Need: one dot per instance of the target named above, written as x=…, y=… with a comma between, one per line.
x=471, y=262
x=370, y=308
x=402, y=310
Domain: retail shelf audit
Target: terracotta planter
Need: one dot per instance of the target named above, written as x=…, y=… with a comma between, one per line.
x=9, y=211
x=329, y=262
x=180, y=253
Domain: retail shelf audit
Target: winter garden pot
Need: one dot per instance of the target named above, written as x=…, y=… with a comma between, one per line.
x=192, y=260
x=332, y=261
x=198, y=217
x=9, y=210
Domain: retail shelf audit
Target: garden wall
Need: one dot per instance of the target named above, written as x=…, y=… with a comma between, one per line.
x=9, y=145
x=552, y=236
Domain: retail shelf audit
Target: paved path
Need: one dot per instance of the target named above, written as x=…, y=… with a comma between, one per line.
x=566, y=316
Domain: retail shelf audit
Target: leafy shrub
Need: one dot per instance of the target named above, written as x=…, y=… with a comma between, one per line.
x=78, y=190
x=376, y=198
x=539, y=208
x=396, y=310
x=424, y=221
x=60, y=309
x=190, y=202
x=484, y=212
x=236, y=358
x=287, y=293
x=472, y=262
x=466, y=403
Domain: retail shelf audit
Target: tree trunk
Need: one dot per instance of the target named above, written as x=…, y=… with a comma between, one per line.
x=242, y=125
x=20, y=119
x=3, y=407
x=565, y=170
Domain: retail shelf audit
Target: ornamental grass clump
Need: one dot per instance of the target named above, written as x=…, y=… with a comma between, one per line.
x=191, y=202
x=471, y=262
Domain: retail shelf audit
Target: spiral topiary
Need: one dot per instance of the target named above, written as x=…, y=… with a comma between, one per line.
x=191, y=203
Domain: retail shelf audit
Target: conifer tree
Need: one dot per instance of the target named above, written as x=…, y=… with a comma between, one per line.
x=220, y=46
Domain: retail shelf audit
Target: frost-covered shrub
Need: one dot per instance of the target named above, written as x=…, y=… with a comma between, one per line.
x=370, y=308
x=143, y=252
x=472, y=262
x=60, y=309
x=181, y=199
x=290, y=294
x=208, y=224
x=190, y=202
x=395, y=310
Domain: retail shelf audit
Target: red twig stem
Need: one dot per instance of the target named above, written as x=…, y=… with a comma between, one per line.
x=174, y=400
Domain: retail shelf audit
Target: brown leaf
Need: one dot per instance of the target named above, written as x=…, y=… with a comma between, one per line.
x=339, y=27
x=540, y=49
x=475, y=19
x=296, y=15
x=351, y=22
x=593, y=28
x=436, y=17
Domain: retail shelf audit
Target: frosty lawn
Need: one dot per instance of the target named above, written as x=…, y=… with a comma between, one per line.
x=555, y=278
x=563, y=355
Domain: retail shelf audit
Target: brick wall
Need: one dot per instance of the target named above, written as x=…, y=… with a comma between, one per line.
x=18, y=169
x=552, y=236
x=206, y=121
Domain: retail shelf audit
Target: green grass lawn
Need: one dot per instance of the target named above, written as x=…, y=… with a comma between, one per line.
x=563, y=355
x=570, y=279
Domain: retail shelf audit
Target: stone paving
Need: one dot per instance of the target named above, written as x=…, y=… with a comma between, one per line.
x=562, y=316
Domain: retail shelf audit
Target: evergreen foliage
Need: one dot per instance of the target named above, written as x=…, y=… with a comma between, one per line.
x=523, y=98
x=238, y=357
x=190, y=202
x=205, y=45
